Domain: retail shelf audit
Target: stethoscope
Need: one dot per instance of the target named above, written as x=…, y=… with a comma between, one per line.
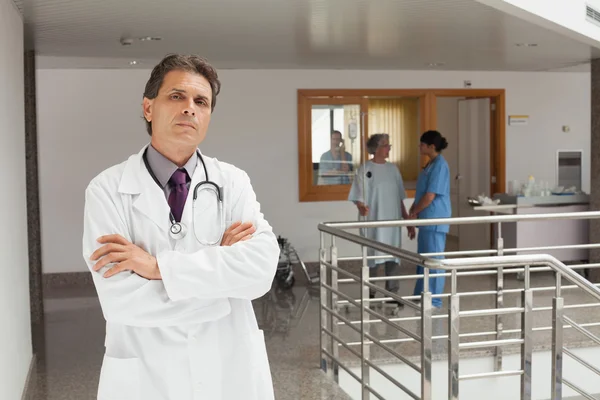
x=178, y=230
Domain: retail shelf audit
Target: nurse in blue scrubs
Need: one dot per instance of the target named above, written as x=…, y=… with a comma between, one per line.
x=432, y=200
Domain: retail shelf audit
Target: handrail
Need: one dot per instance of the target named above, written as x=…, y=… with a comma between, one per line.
x=462, y=220
x=470, y=263
x=479, y=265
x=386, y=248
x=526, y=259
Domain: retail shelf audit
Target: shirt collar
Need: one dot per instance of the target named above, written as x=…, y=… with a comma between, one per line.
x=163, y=168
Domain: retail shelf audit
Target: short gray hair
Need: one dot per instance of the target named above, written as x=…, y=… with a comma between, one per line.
x=374, y=140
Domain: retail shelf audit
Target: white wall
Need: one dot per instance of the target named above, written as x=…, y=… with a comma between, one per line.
x=91, y=119
x=15, y=330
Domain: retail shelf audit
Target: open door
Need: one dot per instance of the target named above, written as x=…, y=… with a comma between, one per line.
x=474, y=175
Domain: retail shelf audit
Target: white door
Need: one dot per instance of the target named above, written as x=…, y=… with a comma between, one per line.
x=474, y=177
x=447, y=123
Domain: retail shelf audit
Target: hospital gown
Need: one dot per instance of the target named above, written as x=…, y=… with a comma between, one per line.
x=384, y=195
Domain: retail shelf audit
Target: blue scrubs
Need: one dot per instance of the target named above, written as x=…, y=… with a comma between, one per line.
x=434, y=178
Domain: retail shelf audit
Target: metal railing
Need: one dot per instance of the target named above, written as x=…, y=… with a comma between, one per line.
x=492, y=262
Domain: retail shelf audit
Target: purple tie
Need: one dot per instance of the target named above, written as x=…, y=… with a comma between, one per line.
x=179, y=192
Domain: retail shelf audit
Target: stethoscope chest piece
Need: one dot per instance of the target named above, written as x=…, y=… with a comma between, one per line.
x=177, y=231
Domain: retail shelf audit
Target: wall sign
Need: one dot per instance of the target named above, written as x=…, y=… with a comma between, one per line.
x=516, y=120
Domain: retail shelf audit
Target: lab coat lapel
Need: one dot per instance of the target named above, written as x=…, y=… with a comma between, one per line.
x=151, y=201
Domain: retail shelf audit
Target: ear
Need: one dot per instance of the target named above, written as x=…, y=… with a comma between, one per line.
x=147, y=108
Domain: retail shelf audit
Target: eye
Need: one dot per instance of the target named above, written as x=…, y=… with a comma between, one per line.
x=201, y=102
x=175, y=96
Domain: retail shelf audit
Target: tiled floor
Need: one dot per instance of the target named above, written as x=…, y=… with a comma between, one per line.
x=73, y=333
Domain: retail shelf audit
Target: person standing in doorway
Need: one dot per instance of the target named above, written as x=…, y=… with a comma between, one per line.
x=432, y=200
x=383, y=200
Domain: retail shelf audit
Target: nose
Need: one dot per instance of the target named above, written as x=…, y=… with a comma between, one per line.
x=189, y=109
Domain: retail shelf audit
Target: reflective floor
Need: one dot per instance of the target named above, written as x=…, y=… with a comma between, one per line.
x=71, y=339
x=73, y=335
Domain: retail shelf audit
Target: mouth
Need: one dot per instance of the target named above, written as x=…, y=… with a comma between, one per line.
x=186, y=124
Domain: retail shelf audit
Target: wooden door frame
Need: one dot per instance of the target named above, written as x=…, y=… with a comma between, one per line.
x=497, y=128
x=308, y=192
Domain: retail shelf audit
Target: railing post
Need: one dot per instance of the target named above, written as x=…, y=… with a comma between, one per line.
x=526, y=333
x=557, y=341
x=334, y=306
x=365, y=347
x=453, y=340
x=499, y=300
x=323, y=339
x=426, y=346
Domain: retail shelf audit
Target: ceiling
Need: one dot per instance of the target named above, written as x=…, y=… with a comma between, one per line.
x=338, y=34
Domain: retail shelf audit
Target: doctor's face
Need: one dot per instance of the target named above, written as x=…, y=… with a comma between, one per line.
x=181, y=112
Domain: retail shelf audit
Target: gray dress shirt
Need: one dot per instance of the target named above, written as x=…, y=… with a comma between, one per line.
x=163, y=168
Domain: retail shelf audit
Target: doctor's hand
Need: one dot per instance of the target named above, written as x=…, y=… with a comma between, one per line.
x=412, y=232
x=237, y=232
x=126, y=256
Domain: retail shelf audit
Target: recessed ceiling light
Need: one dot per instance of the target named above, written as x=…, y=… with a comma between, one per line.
x=436, y=64
x=526, y=44
x=150, y=38
x=132, y=62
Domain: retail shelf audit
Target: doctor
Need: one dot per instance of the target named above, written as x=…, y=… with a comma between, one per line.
x=432, y=200
x=178, y=247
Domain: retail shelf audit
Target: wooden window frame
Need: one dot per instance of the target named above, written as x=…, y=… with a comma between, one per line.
x=309, y=192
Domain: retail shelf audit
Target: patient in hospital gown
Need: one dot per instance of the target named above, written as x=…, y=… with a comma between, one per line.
x=385, y=193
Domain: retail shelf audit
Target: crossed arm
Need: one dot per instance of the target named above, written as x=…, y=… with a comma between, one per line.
x=138, y=288
x=128, y=257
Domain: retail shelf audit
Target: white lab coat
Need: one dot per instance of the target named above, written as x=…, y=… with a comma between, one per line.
x=192, y=335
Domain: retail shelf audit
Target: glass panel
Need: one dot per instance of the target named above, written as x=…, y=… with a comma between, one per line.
x=336, y=146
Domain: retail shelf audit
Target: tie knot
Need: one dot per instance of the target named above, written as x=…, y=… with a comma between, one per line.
x=179, y=177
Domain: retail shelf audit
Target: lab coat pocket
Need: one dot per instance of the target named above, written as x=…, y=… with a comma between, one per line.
x=119, y=379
